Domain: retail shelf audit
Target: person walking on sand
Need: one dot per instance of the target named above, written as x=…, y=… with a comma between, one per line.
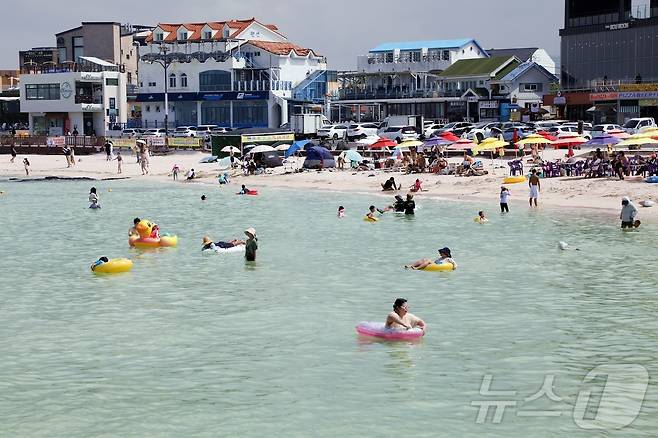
x=251, y=245
x=535, y=187
x=26, y=164
x=13, y=153
x=67, y=154
x=72, y=157
x=108, y=150
x=174, y=171
x=119, y=159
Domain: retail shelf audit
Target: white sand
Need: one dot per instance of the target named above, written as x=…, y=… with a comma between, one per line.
x=600, y=195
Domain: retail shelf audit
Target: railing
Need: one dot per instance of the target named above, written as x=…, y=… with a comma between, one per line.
x=88, y=99
x=260, y=85
x=68, y=67
x=403, y=93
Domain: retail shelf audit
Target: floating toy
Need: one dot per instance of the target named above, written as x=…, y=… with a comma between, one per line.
x=113, y=266
x=249, y=192
x=438, y=267
x=379, y=330
x=652, y=179
x=370, y=219
x=149, y=236
x=514, y=179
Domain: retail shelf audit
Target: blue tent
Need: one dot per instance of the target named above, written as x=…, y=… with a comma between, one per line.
x=318, y=157
x=295, y=147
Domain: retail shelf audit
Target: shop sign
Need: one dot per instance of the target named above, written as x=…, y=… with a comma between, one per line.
x=488, y=104
x=633, y=95
x=638, y=87
x=266, y=138
x=617, y=26
x=55, y=141
x=604, y=96
x=648, y=102
x=89, y=76
x=472, y=99
x=184, y=142
x=560, y=100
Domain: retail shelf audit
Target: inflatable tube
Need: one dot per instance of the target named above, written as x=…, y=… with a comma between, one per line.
x=249, y=192
x=114, y=266
x=652, y=180
x=514, y=179
x=379, y=330
x=168, y=241
x=437, y=268
x=370, y=219
x=234, y=249
x=479, y=220
x=150, y=242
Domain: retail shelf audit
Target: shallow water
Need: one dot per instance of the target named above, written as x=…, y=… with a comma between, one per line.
x=203, y=345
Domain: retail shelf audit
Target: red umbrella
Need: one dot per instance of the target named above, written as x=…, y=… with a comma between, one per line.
x=547, y=135
x=383, y=143
x=447, y=135
x=462, y=144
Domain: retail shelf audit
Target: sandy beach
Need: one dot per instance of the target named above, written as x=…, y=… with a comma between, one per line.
x=598, y=196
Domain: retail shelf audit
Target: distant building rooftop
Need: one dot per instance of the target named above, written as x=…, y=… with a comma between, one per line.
x=417, y=45
x=498, y=66
x=522, y=53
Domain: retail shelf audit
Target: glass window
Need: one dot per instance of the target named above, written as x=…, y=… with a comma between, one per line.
x=112, y=82
x=207, y=35
x=215, y=80
x=172, y=80
x=250, y=113
x=42, y=92
x=62, y=54
x=159, y=36
x=183, y=80
x=78, y=48
x=216, y=113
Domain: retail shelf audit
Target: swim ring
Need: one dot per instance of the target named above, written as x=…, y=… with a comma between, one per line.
x=652, y=180
x=249, y=192
x=144, y=240
x=233, y=249
x=379, y=330
x=114, y=266
x=514, y=179
x=479, y=220
x=370, y=219
x=440, y=267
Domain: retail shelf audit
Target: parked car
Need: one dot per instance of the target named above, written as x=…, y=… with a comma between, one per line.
x=332, y=131
x=185, y=131
x=457, y=128
x=483, y=130
x=521, y=132
x=204, y=129
x=431, y=129
x=599, y=130
x=586, y=125
x=634, y=126
x=568, y=131
x=219, y=130
x=361, y=130
x=543, y=125
x=159, y=132
x=130, y=132
x=399, y=133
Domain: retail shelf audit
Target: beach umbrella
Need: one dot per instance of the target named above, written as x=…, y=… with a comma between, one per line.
x=534, y=139
x=648, y=132
x=229, y=149
x=436, y=141
x=411, y=143
x=397, y=154
x=619, y=134
x=489, y=144
x=371, y=139
x=295, y=147
x=282, y=147
x=603, y=140
x=352, y=155
x=261, y=148
x=569, y=141
x=547, y=135
x=462, y=144
x=383, y=143
x=637, y=141
x=449, y=136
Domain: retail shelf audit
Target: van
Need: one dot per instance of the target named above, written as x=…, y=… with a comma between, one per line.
x=633, y=126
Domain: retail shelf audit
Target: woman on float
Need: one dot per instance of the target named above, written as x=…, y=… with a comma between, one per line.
x=444, y=257
x=208, y=244
x=401, y=319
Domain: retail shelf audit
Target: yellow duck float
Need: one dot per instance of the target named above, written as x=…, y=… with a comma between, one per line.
x=149, y=236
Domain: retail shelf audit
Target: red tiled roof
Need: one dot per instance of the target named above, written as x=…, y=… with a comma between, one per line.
x=237, y=25
x=281, y=48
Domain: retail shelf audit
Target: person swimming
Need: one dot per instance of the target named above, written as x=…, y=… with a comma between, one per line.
x=208, y=244
x=99, y=262
x=481, y=219
x=372, y=210
x=203, y=197
x=445, y=256
x=401, y=319
x=341, y=212
x=244, y=190
x=93, y=198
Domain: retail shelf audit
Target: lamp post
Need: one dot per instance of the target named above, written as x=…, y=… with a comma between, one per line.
x=165, y=62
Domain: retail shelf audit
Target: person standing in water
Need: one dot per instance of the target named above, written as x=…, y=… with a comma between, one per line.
x=504, y=200
x=628, y=213
x=93, y=198
x=535, y=187
x=119, y=159
x=409, y=204
x=400, y=318
x=251, y=245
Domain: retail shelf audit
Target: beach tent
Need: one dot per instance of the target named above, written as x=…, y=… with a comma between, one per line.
x=318, y=157
x=296, y=146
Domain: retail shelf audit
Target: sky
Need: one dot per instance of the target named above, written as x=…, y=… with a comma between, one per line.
x=338, y=29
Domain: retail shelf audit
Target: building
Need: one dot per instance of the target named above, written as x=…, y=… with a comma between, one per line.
x=608, y=55
x=88, y=96
x=528, y=54
x=9, y=79
x=400, y=78
x=235, y=73
x=37, y=56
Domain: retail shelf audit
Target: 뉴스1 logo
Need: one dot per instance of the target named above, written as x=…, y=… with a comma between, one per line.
x=66, y=90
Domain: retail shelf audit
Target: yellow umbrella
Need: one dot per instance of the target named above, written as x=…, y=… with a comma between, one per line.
x=489, y=144
x=410, y=143
x=648, y=132
x=634, y=141
x=533, y=139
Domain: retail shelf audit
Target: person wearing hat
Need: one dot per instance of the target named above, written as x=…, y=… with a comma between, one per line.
x=445, y=256
x=208, y=244
x=252, y=245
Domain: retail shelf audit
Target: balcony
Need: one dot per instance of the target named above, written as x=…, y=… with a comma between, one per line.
x=383, y=64
x=394, y=93
x=262, y=85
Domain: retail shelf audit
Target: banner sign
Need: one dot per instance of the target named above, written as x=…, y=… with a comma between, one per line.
x=55, y=141
x=184, y=142
x=265, y=137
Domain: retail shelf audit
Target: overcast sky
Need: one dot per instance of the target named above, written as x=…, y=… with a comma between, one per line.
x=338, y=29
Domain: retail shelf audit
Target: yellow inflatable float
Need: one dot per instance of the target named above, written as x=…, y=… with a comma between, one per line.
x=149, y=236
x=441, y=267
x=370, y=219
x=112, y=266
x=514, y=179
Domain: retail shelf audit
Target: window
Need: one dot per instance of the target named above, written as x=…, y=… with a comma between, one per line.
x=148, y=108
x=159, y=36
x=152, y=84
x=157, y=108
x=531, y=87
x=182, y=35
x=250, y=113
x=207, y=35
x=62, y=54
x=78, y=48
x=183, y=80
x=42, y=92
x=217, y=113
x=257, y=53
x=445, y=56
x=112, y=82
x=226, y=33
x=130, y=77
x=172, y=81
x=215, y=80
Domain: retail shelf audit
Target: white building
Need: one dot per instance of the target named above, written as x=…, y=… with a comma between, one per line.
x=238, y=73
x=528, y=54
x=88, y=97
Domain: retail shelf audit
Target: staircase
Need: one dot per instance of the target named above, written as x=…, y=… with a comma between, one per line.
x=313, y=88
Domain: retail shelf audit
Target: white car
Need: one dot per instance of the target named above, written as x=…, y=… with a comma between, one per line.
x=332, y=131
x=599, y=130
x=219, y=130
x=185, y=131
x=129, y=132
x=159, y=132
x=483, y=130
x=361, y=130
x=634, y=126
x=568, y=131
x=399, y=133
x=431, y=128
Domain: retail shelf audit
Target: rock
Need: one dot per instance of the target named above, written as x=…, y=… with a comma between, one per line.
x=647, y=203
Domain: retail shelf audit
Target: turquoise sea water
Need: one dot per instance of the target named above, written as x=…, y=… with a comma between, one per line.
x=196, y=345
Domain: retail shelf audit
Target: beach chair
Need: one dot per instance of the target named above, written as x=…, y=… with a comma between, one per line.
x=515, y=166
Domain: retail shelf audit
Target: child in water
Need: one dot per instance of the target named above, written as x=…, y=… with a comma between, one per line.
x=341, y=212
x=93, y=198
x=372, y=210
x=99, y=262
x=504, y=198
x=244, y=190
x=481, y=219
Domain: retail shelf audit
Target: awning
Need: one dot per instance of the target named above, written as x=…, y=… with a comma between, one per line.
x=602, y=107
x=97, y=61
x=7, y=99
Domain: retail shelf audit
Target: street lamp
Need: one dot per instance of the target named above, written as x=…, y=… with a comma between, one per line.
x=165, y=62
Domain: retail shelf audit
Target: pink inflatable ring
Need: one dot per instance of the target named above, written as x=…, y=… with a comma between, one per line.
x=378, y=330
